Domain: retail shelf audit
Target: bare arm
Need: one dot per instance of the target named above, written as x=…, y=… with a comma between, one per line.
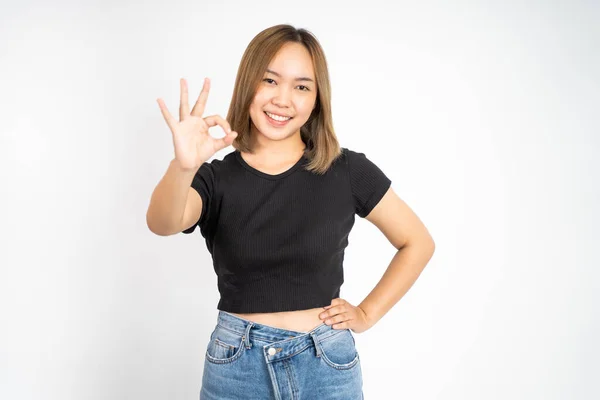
x=406, y=232
x=174, y=205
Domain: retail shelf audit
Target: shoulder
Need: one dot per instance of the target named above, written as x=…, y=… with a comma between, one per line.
x=356, y=159
x=217, y=163
x=352, y=154
x=347, y=155
x=363, y=168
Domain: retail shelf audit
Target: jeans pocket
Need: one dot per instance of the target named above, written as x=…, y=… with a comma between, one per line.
x=339, y=350
x=225, y=346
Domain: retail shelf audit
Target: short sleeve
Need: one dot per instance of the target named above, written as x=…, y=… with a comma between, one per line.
x=367, y=181
x=203, y=183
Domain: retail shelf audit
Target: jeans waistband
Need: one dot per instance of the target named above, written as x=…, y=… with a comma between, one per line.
x=283, y=337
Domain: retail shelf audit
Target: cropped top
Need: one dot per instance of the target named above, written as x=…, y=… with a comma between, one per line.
x=277, y=241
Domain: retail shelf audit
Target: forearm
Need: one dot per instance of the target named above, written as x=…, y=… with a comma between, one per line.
x=404, y=269
x=168, y=200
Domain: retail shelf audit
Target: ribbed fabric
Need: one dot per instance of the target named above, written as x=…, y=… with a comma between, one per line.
x=277, y=241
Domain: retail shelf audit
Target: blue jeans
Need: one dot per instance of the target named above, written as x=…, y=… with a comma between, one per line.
x=248, y=360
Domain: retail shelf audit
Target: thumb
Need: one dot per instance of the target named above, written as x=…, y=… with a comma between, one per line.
x=225, y=140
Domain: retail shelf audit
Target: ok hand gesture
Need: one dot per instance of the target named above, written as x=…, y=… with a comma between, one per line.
x=192, y=142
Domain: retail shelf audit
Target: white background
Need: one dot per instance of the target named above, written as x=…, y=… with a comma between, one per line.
x=483, y=114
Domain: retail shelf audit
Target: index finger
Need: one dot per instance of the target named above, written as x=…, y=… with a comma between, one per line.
x=198, y=109
x=218, y=120
x=166, y=114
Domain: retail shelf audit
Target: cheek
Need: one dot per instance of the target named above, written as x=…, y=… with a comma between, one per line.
x=306, y=106
x=260, y=98
x=256, y=108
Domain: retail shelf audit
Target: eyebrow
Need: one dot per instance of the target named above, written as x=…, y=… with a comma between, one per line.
x=302, y=78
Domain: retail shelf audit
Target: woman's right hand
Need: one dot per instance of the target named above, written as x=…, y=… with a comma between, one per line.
x=193, y=144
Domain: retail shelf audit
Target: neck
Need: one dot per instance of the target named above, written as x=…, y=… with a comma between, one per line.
x=280, y=149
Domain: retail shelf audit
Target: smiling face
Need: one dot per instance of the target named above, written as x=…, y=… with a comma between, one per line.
x=285, y=96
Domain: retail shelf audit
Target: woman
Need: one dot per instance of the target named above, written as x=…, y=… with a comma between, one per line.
x=276, y=214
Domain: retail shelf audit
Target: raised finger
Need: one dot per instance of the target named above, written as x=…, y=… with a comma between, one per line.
x=166, y=114
x=215, y=120
x=198, y=109
x=184, y=106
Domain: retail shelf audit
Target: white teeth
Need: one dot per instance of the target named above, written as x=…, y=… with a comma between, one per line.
x=277, y=117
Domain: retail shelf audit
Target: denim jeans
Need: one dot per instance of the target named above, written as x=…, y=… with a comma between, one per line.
x=248, y=360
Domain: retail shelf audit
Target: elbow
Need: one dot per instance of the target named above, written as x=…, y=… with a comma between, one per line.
x=156, y=228
x=428, y=245
x=431, y=245
x=150, y=225
x=429, y=248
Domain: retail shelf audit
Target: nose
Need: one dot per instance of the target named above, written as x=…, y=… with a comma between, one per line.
x=283, y=97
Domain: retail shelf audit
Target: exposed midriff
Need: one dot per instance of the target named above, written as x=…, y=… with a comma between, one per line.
x=299, y=321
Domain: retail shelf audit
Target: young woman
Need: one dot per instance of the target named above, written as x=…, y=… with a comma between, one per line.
x=275, y=214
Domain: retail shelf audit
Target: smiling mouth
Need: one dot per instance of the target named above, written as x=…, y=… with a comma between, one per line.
x=276, y=117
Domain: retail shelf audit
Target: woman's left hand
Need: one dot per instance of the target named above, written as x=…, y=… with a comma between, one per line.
x=343, y=315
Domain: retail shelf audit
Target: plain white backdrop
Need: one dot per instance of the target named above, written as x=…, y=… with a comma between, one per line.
x=485, y=115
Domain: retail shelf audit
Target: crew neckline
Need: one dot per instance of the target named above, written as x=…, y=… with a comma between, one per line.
x=238, y=156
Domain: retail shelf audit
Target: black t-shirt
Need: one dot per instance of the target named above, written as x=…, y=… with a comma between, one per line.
x=277, y=241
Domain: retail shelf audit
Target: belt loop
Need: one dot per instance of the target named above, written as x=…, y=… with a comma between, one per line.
x=246, y=337
x=317, y=345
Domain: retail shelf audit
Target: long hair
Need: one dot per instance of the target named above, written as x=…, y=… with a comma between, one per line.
x=322, y=147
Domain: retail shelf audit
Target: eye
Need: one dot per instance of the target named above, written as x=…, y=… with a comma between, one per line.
x=306, y=89
x=268, y=79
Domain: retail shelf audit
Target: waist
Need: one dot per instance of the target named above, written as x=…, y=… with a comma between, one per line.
x=299, y=320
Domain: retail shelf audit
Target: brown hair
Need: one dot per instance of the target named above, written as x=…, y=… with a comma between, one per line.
x=322, y=147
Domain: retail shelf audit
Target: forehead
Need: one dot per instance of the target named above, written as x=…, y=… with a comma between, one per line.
x=293, y=60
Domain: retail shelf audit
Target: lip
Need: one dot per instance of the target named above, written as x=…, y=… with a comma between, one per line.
x=281, y=115
x=275, y=122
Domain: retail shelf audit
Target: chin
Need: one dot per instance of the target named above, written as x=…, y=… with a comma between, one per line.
x=278, y=135
x=273, y=133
